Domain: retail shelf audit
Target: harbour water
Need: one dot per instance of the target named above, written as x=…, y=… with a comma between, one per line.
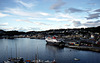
x=27, y=48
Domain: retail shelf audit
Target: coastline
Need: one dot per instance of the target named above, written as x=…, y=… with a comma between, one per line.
x=86, y=48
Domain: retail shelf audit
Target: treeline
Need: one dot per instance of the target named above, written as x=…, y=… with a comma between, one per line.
x=91, y=29
x=10, y=33
x=53, y=31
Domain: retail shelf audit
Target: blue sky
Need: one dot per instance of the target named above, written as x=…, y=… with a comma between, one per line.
x=40, y=15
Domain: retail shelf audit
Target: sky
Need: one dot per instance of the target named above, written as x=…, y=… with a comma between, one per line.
x=41, y=15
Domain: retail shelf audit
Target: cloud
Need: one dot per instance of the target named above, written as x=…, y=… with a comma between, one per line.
x=37, y=18
x=97, y=10
x=44, y=14
x=57, y=5
x=3, y=24
x=58, y=19
x=34, y=29
x=65, y=19
x=92, y=16
x=63, y=15
x=28, y=29
x=17, y=11
x=67, y=25
x=37, y=23
x=24, y=20
x=98, y=21
x=8, y=29
x=86, y=24
x=25, y=29
x=92, y=3
x=92, y=23
x=3, y=15
x=28, y=5
x=51, y=27
x=73, y=10
x=20, y=12
x=77, y=23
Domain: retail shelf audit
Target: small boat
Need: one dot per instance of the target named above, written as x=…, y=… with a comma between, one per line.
x=76, y=59
x=41, y=61
x=54, y=61
x=21, y=60
x=14, y=60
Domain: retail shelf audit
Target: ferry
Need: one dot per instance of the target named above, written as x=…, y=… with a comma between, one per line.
x=55, y=41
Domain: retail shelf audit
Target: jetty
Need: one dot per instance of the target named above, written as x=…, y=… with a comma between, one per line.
x=87, y=48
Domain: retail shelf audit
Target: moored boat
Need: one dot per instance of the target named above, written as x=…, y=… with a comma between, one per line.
x=14, y=60
x=21, y=60
x=76, y=59
x=55, y=41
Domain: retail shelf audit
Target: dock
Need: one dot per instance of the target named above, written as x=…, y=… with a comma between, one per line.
x=87, y=48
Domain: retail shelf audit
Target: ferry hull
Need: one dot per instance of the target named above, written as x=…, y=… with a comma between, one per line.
x=61, y=44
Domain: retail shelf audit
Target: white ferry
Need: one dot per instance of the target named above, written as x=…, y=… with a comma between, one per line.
x=55, y=41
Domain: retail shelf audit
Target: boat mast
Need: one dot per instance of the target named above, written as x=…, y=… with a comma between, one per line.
x=19, y=52
x=7, y=51
x=36, y=56
x=37, y=53
x=16, y=49
x=11, y=52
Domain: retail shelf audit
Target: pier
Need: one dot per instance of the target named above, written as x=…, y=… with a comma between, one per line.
x=87, y=48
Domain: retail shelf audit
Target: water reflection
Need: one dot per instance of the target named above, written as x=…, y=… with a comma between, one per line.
x=54, y=49
x=27, y=49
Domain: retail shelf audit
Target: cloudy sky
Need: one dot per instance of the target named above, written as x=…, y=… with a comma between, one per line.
x=39, y=15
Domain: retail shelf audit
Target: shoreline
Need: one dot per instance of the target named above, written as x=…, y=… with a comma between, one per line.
x=85, y=48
